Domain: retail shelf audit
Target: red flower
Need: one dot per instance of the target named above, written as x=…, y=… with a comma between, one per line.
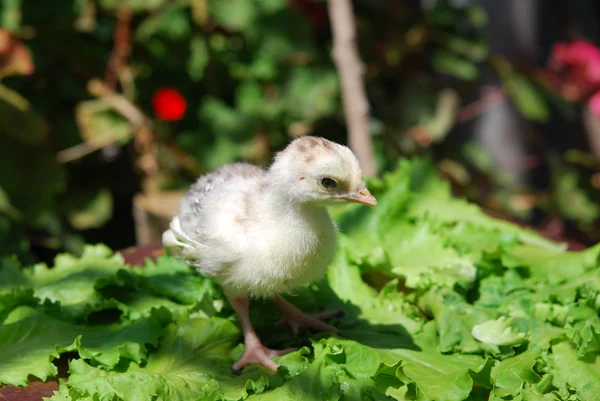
x=169, y=104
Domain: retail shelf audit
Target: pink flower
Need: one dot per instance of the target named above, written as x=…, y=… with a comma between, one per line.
x=574, y=71
x=580, y=55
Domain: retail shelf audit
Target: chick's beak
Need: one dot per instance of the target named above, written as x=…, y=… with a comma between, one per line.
x=361, y=196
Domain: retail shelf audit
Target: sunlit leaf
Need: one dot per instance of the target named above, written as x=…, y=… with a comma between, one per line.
x=454, y=65
x=526, y=97
x=90, y=210
x=199, y=58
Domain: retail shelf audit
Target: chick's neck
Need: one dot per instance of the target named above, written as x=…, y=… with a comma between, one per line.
x=281, y=202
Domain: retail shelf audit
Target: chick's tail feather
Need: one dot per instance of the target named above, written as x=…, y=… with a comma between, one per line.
x=179, y=244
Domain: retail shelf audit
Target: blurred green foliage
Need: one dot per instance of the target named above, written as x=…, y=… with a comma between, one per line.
x=77, y=80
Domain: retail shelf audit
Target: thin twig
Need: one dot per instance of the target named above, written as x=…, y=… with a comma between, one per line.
x=351, y=69
x=119, y=103
x=121, y=49
x=83, y=149
x=490, y=99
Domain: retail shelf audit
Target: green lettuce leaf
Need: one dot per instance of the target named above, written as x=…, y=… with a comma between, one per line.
x=32, y=340
x=574, y=375
x=510, y=375
x=423, y=259
x=193, y=362
x=552, y=267
x=432, y=376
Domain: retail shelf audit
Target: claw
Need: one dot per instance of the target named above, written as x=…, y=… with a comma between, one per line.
x=260, y=354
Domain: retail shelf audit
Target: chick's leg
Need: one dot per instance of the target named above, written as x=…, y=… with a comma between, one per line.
x=297, y=319
x=255, y=351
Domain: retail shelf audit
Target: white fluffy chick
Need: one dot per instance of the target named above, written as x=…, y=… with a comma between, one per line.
x=260, y=233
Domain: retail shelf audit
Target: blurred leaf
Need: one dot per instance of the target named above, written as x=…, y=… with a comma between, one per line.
x=10, y=14
x=172, y=24
x=14, y=56
x=13, y=240
x=478, y=16
x=570, y=198
x=440, y=123
x=263, y=68
x=31, y=176
x=4, y=201
x=451, y=64
x=98, y=122
x=90, y=210
x=86, y=20
x=26, y=125
x=237, y=15
x=5, y=205
x=526, y=97
x=481, y=158
x=222, y=119
x=284, y=34
x=249, y=98
x=475, y=50
x=134, y=5
x=199, y=58
x=200, y=11
x=441, y=14
x=225, y=150
x=311, y=93
x=272, y=6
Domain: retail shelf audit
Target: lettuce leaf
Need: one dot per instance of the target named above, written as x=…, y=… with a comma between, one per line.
x=193, y=362
x=32, y=340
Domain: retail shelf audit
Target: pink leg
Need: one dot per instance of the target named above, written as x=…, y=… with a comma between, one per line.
x=297, y=319
x=255, y=352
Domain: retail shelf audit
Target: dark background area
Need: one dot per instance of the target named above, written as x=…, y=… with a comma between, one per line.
x=469, y=83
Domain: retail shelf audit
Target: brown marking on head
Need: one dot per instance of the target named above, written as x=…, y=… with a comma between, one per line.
x=302, y=148
x=309, y=158
x=302, y=178
x=327, y=144
x=312, y=141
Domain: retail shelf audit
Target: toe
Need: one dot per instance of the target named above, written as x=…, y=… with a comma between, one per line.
x=260, y=355
x=262, y=359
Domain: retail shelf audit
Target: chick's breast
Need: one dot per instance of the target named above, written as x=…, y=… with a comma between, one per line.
x=285, y=251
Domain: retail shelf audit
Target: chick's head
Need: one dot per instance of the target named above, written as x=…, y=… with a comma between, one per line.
x=315, y=170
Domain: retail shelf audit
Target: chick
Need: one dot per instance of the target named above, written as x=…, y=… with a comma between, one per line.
x=260, y=233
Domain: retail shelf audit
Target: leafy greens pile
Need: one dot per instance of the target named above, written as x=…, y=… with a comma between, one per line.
x=442, y=302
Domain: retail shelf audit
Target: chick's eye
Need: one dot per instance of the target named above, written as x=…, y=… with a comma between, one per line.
x=328, y=183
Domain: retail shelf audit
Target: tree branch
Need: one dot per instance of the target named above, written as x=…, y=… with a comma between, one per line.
x=350, y=70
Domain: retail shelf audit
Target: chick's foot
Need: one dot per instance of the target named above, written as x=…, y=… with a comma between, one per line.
x=297, y=319
x=257, y=353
